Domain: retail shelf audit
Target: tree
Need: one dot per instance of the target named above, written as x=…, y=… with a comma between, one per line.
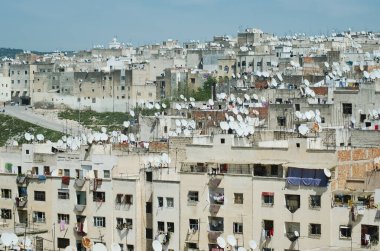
x=204, y=93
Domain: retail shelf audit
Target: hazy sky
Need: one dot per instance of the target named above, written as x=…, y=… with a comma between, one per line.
x=80, y=24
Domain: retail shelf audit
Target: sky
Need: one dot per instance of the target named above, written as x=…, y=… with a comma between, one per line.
x=48, y=25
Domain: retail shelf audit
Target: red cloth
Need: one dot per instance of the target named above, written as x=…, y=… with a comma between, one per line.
x=65, y=180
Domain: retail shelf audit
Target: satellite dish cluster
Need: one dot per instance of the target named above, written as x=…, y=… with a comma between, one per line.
x=158, y=161
x=232, y=242
x=183, y=127
x=309, y=116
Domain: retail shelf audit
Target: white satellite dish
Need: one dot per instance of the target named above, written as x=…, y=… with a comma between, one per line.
x=239, y=101
x=327, y=172
x=327, y=65
x=40, y=137
x=192, y=99
x=318, y=119
x=231, y=240
x=15, y=143
x=126, y=124
x=178, y=122
x=279, y=76
x=298, y=114
x=99, y=247
x=6, y=238
x=303, y=129
x=103, y=129
x=115, y=247
x=221, y=242
x=157, y=246
x=181, y=96
x=157, y=106
x=224, y=125
x=163, y=106
x=211, y=102
x=27, y=136
x=132, y=113
x=263, y=99
x=235, y=110
x=14, y=239
x=230, y=118
x=178, y=107
x=184, y=122
x=239, y=118
x=246, y=96
x=252, y=244
x=307, y=83
x=366, y=74
x=64, y=138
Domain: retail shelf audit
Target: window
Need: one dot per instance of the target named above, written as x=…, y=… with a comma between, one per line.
x=267, y=198
x=161, y=226
x=281, y=121
x=99, y=196
x=149, y=233
x=314, y=229
x=26, y=151
x=160, y=201
x=192, y=196
x=6, y=193
x=6, y=214
x=222, y=140
x=66, y=172
x=130, y=248
x=99, y=221
x=106, y=174
x=268, y=228
x=170, y=227
x=128, y=223
x=63, y=194
x=297, y=106
x=63, y=242
x=347, y=108
x=165, y=129
x=194, y=224
x=39, y=195
x=119, y=198
x=315, y=201
x=148, y=207
x=344, y=232
x=128, y=199
x=238, y=228
x=149, y=176
x=192, y=80
x=64, y=217
x=216, y=224
x=39, y=217
x=293, y=202
x=169, y=202
x=238, y=198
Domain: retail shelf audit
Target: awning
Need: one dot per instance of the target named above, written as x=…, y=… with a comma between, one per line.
x=267, y=193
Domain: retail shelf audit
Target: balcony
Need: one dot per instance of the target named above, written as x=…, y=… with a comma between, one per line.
x=214, y=209
x=79, y=208
x=21, y=201
x=79, y=182
x=21, y=180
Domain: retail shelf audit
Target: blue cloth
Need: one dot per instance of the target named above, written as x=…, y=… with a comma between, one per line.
x=41, y=177
x=306, y=177
x=295, y=181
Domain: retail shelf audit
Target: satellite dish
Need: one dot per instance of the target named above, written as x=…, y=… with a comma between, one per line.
x=27, y=136
x=298, y=114
x=221, y=242
x=181, y=96
x=239, y=118
x=239, y=101
x=15, y=143
x=157, y=246
x=115, y=247
x=7, y=239
x=231, y=240
x=178, y=107
x=126, y=124
x=40, y=137
x=366, y=74
x=242, y=249
x=14, y=239
x=318, y=119
x=178, y=122
x=210, y=102
x=252, y=244
x=246, y=96
x=255, y=97
x=157, y=106
x=307, y=83
x=327, y=172
x=163, y=106
x=303, y=129
x=103, y=129
x=184, y=122
x=279, y=76
x=327, y=65
x=192, y=124
x=99, y=247
x=235, y=110
x=132, y=113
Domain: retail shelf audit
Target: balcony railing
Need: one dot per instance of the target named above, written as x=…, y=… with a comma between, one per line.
x=79, y=208
x=21, y=201
x=79, y=182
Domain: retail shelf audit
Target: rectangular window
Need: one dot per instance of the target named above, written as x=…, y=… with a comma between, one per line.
x=160, y=201
x=39, y=195
x=267, y=198
x=119, y=198
x=347, y=108
x=64, y=217
x=66, y=172
x=128, y=199
x=106, y=174
x=130, y=248
x=293, y=202
x=148, y=207
x=268, y=228
x=169, y=202
x=63, y=242
x=161, y=226
x=149, y=233
x=192, y=196
x=99, y=196
x=238, y=198
x=128, y=223
x=281, y=121
x=63, y=194
x=6, y=193
x=298, y=108
x=170, y=227
x=39, y=217
x=99, y=221
x=194, y=224
x=344, y=232
x=314, y=229
x=6, y=214
x=238, y=228
x=192, y=80
x=216, y=224
x=315, y=201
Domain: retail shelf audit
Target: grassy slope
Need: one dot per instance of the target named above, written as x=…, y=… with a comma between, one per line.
x=11, y=127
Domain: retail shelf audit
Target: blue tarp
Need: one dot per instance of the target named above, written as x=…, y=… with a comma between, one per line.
x=306, y=177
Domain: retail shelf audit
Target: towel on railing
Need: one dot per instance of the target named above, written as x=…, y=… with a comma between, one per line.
x=66, y=180
x=41, y=177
